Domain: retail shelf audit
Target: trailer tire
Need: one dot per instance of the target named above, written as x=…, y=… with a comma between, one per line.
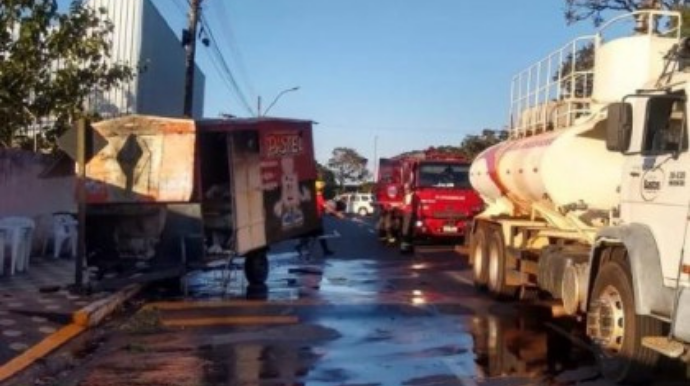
x=496, y=267
x=478, y=250
x=623, y=358
x=256, y=267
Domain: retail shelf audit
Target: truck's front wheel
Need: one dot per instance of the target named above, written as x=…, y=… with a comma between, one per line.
x=256, y=267
x=618, y=331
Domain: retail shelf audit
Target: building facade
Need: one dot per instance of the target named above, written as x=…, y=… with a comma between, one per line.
x=143, y=39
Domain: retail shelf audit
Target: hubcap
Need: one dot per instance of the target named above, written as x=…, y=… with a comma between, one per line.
x=606, y=320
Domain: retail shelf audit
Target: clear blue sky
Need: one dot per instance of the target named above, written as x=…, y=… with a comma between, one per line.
x=414, y=73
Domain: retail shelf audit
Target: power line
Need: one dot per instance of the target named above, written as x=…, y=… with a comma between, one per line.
x=223, y=19
x=182, y=5
x=225, y=68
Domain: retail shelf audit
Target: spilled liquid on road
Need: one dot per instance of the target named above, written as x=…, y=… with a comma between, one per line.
x=389, y=322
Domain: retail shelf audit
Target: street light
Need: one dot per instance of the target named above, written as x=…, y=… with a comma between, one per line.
x=274, y=100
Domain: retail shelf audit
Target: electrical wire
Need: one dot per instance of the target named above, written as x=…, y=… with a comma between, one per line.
x=223, y=19
x=225, y=68
x=182, y=6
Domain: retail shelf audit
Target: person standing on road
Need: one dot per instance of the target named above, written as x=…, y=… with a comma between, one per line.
x=322, y=207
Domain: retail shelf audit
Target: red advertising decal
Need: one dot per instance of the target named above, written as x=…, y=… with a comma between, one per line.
x=279, y=146
x=288, y=174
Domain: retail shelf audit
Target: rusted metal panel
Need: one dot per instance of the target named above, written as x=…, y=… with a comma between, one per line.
x=147, y=159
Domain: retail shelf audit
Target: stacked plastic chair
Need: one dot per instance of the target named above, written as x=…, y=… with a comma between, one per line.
x=17, y=233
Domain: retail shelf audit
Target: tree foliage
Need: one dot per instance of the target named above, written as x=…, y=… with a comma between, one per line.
x=50, y=62
x=348, y=166
x=595, y=10
x=471, y=145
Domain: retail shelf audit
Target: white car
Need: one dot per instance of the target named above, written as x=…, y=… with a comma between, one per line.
x=359, y=203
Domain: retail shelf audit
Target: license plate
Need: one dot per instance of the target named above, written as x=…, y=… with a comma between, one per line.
x=450, y=229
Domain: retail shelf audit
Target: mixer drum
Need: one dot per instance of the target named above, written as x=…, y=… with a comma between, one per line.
x=557, y=168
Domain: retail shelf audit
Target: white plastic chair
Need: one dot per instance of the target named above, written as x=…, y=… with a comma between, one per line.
x=64, y=229
x=19, y=232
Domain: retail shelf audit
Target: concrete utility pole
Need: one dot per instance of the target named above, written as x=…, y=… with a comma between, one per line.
x=189, y=41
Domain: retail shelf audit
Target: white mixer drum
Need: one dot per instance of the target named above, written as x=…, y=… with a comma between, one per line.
x=570, y=166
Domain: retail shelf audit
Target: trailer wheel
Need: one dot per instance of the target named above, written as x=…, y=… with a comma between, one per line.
x=478, y=250
x=613, y=325
x=496, y=266
x=256, y=267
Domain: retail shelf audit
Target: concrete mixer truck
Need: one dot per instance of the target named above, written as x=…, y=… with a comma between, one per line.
x=588, y=201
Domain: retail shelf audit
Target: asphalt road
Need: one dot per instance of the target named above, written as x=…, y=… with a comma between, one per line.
x=364, y=316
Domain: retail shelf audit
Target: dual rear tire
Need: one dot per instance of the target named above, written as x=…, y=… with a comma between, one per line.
x=489, y=262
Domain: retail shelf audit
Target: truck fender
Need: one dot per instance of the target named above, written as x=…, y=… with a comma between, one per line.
x=651, y=296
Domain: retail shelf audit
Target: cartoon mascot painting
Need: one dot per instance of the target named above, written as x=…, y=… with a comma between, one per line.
x=288, y=208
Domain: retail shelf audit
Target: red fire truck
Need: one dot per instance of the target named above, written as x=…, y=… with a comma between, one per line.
x=426, y=195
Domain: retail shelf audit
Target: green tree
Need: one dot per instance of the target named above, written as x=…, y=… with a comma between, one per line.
x=348, y=166
x=469, y=148
x=50, y=62
x=595, y=10
x=472, y=145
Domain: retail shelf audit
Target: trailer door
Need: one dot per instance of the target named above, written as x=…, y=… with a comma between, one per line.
x=246, y=191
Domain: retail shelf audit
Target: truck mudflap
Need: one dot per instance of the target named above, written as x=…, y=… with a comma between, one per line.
x=681, y=326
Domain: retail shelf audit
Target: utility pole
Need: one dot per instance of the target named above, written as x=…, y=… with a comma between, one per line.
x=376, y=158
x=189, y=41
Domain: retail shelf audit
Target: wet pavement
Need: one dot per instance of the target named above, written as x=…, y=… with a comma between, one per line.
x=35, y=304
x=365, y=316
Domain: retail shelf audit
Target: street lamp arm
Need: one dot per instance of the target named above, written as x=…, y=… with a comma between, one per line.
x=278, y=97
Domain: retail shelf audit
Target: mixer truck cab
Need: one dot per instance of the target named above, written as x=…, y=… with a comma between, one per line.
x=588, y=202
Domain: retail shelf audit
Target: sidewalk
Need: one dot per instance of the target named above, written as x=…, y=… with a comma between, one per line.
x=27, y=315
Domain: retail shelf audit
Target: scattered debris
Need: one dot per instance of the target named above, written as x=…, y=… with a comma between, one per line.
x=146, y=321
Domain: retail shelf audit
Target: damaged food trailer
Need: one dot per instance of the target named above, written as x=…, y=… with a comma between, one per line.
x=174, y=192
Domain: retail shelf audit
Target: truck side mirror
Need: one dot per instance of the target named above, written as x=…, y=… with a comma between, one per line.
x=619, y=127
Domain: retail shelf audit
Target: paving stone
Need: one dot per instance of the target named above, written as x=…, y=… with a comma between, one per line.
x=47, y=329
x=18, y=346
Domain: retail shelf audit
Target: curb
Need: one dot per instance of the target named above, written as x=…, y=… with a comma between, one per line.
x=88, y=317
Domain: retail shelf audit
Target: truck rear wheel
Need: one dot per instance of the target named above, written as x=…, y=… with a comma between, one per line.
x=617, y=330
x=478, y=250
x=496, y=266
x=256, y=267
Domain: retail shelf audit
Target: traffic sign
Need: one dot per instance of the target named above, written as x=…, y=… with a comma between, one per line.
x=67, y=142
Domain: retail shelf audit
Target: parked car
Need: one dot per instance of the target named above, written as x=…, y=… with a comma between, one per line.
x=358, y=203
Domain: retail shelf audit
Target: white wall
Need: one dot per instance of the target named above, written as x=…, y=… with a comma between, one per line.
x=143, y=39
x=127, y=17
x=24, y=193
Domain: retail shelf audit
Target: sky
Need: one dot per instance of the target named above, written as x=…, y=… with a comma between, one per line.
x=380, y=76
